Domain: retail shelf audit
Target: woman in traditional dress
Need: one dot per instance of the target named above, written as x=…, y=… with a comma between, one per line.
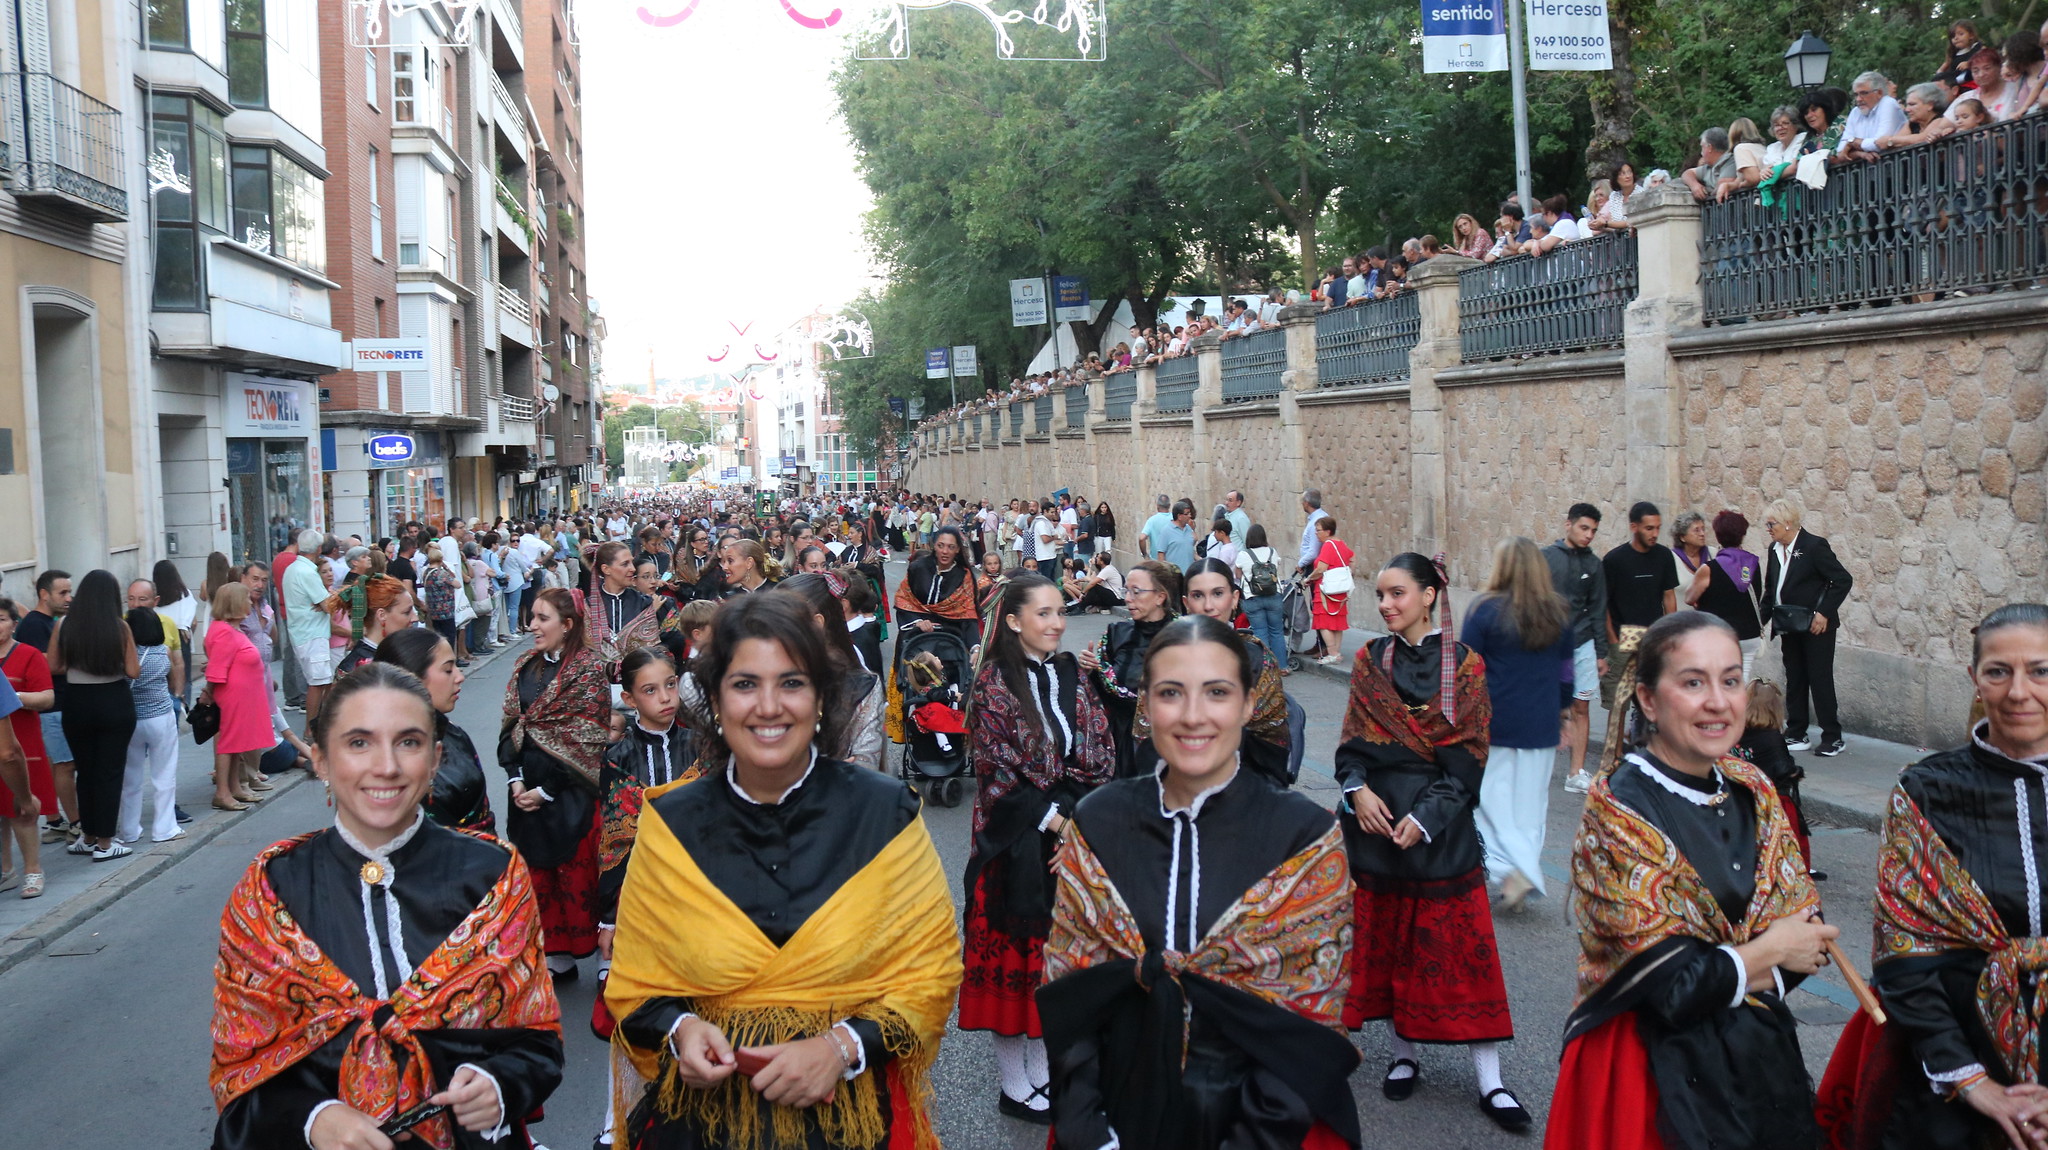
x=1117, y=660
x=1695, y=915
x=622, y=615
x=384, y=964
x=1959, y=931
x=940, y=590
x=1212, y=591
x=860, y=695
x=1413, y=751
x=1040, y=741
x=557, y=722
x=694, y=565
x=461, y=796
x=745, y=567
x=786, y=955
x=1201, y=937
x=380, y=606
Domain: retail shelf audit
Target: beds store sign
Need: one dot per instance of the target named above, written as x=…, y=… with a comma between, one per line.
x=392, y=449
x=1464, y=35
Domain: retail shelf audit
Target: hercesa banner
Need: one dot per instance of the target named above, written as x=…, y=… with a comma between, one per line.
x=1464, y=36
x=1568, y=36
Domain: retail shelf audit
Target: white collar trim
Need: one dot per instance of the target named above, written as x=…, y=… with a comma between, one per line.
x=1656, y=774
x=732, y=780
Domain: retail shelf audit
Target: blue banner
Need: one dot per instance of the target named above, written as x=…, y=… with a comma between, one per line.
x=1464, y=35
x=938, y=362
x=1070, y=299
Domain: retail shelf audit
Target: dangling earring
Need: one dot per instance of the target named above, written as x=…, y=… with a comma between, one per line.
x=330, y=793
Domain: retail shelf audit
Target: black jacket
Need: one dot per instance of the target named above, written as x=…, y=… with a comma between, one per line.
x=1579, y=576
x=1815, y=578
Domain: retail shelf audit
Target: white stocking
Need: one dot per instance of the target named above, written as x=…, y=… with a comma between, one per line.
x=1040, y=1073
x=561, y=963
x=1010, y=1066
x=1402, y=1048
x=1486, y=1064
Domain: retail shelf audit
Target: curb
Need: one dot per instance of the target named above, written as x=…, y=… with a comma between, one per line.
x=67, y=916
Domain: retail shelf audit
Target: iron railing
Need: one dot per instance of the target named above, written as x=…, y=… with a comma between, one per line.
x=1572, y=299
x=1367, y=343
x=1175, y=390
x=1016, y=419
x=62, y=145
x=1964, y=213
x=1119, y=393
x=517, y=408
x=1077, y=408
x=1252, y=365
x=1041, y=414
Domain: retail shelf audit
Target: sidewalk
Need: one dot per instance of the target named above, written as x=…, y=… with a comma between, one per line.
x=1849, y=790
x=79, y=888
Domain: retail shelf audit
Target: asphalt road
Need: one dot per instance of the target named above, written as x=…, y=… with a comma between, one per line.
x=106, y=1041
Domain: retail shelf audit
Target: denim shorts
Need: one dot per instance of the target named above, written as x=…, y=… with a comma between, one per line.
x=54, y=743
x=1585, y=671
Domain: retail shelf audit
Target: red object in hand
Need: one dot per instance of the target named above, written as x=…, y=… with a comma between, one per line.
x=750, y=1064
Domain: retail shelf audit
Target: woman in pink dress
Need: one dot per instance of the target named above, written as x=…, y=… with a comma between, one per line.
x=1330, y=609
x=235, y=679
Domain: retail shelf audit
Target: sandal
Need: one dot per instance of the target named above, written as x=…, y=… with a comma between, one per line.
x=9, y=879
x=32, y=884
x=1399, y=1089
x=228, y=806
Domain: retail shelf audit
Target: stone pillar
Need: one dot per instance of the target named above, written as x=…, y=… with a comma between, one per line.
x=1146, y=403
x=1300, y=378
x=1208, y=351
x=1668, y=302
x=1437, y=284
x=1091, y=395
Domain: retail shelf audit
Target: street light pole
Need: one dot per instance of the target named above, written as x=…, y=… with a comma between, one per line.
x=1519, y=88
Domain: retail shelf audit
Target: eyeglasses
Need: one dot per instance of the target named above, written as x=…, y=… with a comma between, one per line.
x=1129, y=590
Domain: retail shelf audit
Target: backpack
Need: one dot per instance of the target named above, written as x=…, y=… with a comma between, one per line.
x=1265, y=576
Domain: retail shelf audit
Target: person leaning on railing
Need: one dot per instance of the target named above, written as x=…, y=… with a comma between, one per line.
x=1924, y=119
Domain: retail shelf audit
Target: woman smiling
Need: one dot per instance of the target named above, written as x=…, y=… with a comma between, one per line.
x=1201, y=937
x=785, y=956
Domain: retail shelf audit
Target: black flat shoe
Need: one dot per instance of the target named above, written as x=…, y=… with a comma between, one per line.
x=1512, y=1119
x=1022, y=1111
x=566, y=976
x=1398, y=1089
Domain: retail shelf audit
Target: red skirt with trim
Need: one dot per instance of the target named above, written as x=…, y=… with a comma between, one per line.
x=1605, y=1098
x=568, y=899
x=1424, y=956
x=1003, y=973
x=1854, y=1103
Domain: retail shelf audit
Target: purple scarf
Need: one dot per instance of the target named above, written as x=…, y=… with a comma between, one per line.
x=1740, y=565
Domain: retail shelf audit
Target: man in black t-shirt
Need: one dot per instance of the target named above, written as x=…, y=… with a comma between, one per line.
x=1642, y=587
x=401, y=566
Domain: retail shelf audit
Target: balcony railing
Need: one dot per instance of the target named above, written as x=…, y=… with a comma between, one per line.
x=1368, y=343
x=1964, y=213
x=1252, y=365
x=504, y=96
x=62, y=146
x=1042, y=414
x=1119, y=392
x=1017, y=419
x=1077, y=409
x=517, y=408
x=1571, y=299
x=515, y=307
x=1175, y=390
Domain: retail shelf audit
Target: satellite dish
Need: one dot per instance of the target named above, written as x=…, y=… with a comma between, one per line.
x=550, y=392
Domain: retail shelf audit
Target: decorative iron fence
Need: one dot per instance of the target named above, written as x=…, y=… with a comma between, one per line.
x=1964, y=213
x=1042, y=414
x=63, y=144
x=1016, y=419
x=1367, y=343
x=1175, y=390
x=1077, y=408
x=1119, y=393
x=1572, y=299
x=1252, y=365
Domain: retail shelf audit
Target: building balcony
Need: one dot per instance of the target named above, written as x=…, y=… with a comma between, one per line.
x=514, y=220
x=516, y=408
x=510, y=120
x=515, y=318
x=262, y=314
x=61, y=147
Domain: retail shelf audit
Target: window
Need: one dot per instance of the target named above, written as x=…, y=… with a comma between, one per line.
x=248, y=85
x=370, y=76
x=165, y=24
x=404, y=82
x=278, y=207
x=188, y=181
x=376, y=209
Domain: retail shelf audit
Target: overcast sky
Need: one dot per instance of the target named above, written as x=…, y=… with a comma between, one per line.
x=719, y=182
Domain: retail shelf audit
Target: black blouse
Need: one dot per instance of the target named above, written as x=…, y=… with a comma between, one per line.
x=438, y=877
x=548, y=837
x=460, y=796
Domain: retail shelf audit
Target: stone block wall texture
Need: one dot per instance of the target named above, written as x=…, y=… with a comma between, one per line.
x=1920, y=455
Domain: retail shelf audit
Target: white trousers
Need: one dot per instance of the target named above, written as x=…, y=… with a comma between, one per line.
x=152, y=765
x=1514, y=808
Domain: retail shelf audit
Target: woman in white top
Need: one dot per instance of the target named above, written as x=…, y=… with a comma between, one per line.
x=181, y=607
x=1259, y=571
x=1610, y=211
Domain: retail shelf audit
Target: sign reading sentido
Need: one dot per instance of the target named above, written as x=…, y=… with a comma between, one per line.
x=938, y=363
x=1464, y=36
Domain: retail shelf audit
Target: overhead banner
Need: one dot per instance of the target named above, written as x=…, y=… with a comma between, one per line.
x=966, y=364
x=1070, y=299
x=936, y=364
x=1027, y=302
x=1568, y=36
x=1469, y=36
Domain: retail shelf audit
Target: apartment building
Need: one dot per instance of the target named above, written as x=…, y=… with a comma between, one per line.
x=69, y=403
x=566, y=416
x=232, y=247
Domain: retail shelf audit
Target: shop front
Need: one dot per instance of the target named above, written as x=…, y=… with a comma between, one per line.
x=272, y=429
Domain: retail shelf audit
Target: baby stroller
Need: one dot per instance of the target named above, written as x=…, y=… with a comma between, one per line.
x=1297, y=621
x=933, y=669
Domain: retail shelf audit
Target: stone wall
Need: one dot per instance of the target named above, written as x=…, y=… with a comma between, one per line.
x=1913, y=437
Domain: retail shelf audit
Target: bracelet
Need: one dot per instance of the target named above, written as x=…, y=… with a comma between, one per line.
x=1964, y=1087
x=839, y=1044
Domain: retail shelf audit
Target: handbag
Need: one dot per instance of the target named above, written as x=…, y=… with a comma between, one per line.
x=1789, y=617
x=205, y=718
x=1337, y=580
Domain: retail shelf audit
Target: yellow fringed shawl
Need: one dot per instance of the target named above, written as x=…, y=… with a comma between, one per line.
x=884, y=948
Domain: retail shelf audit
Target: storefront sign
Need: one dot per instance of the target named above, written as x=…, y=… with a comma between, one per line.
x=259, y=406
x=408, y=354
x=392, y=450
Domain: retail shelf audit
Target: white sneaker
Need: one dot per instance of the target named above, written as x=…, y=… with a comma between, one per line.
x=1579, y=782
x=115, y=850
x=1800, y=744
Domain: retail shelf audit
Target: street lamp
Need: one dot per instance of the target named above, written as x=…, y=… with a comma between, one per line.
x=1806, y=62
